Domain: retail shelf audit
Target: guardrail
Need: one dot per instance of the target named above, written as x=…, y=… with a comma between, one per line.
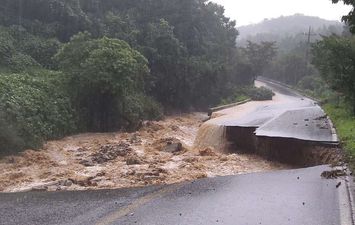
x=298, y=91
x=212, y=110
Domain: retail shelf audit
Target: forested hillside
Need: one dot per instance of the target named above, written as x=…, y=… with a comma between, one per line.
x=288, y=31
x=100, y=65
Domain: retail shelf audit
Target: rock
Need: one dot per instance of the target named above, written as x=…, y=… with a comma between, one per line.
x=82, y=149
x=207, y=152
x=85, y=182
x=101, y=174
x=135, y=139
x=333, y=174
x=66, y=183
x=87, y=163
x=174, y=127
x=40, y=188
x=338, y=185
x=173, y=147
x=152, y=126
x=11, y=160
x=133, y=160
x=131, y=173
x=111, y=152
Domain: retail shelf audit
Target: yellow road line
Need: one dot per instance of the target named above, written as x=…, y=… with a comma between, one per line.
x=136, y=204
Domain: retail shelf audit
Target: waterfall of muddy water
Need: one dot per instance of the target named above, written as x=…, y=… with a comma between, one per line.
x=211, y=135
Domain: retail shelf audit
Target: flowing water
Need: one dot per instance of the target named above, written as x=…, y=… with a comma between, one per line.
x=211, y=135
x=61, y=164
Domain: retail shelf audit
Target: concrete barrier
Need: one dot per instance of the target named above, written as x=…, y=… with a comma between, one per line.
x=212, y=110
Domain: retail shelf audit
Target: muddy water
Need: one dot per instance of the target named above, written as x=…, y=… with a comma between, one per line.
x=121, y=160
x=211, y=136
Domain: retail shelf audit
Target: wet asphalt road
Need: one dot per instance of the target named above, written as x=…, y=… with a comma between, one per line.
x=295, y=197
x=297, y=118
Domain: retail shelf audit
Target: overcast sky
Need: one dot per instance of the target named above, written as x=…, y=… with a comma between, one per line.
x=247, y=12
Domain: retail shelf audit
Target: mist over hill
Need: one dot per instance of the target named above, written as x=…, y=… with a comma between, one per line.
x=287, y=26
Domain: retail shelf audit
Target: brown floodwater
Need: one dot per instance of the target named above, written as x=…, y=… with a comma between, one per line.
x=176, y=149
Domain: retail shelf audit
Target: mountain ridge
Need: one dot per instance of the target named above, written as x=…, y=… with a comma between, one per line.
x=286, y=25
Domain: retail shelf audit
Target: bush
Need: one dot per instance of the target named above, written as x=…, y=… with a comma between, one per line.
x=259, y=94
x=33, y=109
x=315, y=86
x=248, y=92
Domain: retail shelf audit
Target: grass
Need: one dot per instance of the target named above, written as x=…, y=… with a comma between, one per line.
x=344, y=122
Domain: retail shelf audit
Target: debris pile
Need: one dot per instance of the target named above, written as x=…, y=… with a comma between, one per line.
x=333, y=174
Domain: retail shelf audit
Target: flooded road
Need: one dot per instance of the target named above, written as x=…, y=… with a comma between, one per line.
x=159, y=153
x=213, y=132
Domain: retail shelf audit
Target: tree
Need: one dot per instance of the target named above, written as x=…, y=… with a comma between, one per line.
x=260, y=56
x=350, y=18
x=334, y=57
x=104, y=74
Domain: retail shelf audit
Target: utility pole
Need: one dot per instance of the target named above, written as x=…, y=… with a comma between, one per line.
x=308, y=46
x=309, y=42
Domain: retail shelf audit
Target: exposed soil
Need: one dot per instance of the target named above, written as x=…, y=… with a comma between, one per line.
x=159, y=153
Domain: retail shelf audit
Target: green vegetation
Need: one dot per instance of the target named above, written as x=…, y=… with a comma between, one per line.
x=106, y=81
x=350, y=18
x=248, y=92
x=260, y=55
x=335, y=59
x=345, y=125
x=321, y=65
x=105, y=65
x=33, y=109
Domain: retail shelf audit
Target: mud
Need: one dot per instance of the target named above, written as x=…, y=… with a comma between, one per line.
x=159, y=153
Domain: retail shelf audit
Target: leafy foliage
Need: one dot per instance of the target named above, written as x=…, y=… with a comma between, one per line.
x=335, y=59
x=190, y=45
x=350, y=18
x=33, y=109
x=105, y=75
x=260, y=55
x=141, y=57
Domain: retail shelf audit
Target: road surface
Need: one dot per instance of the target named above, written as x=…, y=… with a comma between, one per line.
x=290, y=115
x=292, y=197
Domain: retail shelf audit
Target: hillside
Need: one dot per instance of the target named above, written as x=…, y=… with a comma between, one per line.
x=288, y=26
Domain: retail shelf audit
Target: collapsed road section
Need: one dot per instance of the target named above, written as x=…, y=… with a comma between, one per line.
x=291, y=129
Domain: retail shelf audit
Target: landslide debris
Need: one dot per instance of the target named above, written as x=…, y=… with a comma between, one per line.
x=107, y=153
x=333, y=174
